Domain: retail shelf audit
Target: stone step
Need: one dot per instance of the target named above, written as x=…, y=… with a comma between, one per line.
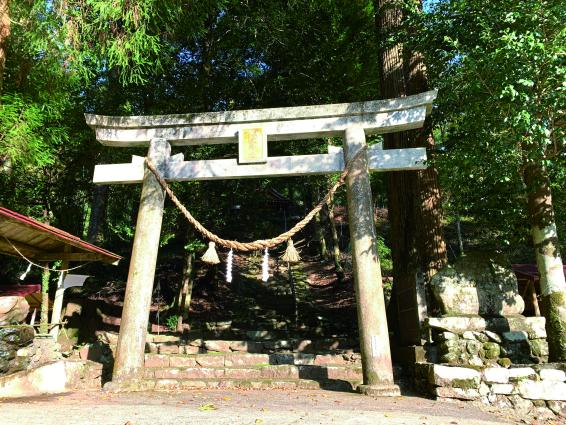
x=249, y=359
x=167, y=344
x=257, y=384
x=256, y=372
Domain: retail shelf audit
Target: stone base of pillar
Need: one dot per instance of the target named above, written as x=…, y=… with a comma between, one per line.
x=380, y=390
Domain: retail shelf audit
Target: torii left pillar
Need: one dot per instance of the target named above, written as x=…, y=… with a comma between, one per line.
x=372, y=320
x=129, y=361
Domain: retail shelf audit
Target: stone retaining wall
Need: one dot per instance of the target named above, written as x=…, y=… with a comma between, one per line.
x=480, y=342
x=12, y=339
x=533, y=390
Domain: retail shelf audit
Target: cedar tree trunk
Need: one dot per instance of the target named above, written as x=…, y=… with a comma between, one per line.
x=413, y=198
x=186, y=290
x=335, y=241
x=4, y=34
x=545, y=240
x=95, y=233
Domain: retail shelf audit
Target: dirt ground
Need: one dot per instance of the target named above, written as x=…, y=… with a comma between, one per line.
x=235, y=407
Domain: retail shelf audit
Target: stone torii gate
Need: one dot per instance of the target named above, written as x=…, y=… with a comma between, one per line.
x=252, y=129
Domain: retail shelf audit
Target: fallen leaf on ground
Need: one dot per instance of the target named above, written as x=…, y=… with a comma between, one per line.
x=206, y=407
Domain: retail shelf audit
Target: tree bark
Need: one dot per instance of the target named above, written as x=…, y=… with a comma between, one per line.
x=95, y=233
x=323, y=250
x=400, y=185
x=4, y=34
x=413, y=198
x=318, y=229
x=549, y=262
x=459, y=234
x=335, y=241
x=433, y=254
x=185, y=291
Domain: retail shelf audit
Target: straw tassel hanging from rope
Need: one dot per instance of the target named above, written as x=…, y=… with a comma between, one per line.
x=291, y=255
x=210, y=256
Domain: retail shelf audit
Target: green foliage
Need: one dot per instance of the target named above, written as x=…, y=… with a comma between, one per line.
x=194, y=245
x=500, y=69
x=21, y=123
x=38, y=88
x=384, y=253
x=172, y=322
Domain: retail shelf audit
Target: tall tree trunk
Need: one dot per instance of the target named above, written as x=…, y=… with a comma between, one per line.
x=549, y=262
x=4, y=34
x=459, y=234
x=432, y=246
x=323, y=249
x=335, y=241
x=185, y=290
x=5, y=160
x=400, y=185
x=317, y=223
x=95, y=232
x=413, y=198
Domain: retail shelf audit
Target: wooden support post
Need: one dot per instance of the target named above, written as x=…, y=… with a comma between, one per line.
x=130, y=351
x=58, y=302
x=44, y=317
x=372, y=322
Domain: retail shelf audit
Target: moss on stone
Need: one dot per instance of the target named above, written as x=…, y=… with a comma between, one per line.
x=466, y=384
x=245, y=384
x=504, y=361
x=450, y=345
x=451, y=358
x=372, y=378
x=474, y=367
x=473, y=347
x=539, y=347
x=554, y=305
x=491, y=350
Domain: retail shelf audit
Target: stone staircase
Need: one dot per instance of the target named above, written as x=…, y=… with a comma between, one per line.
x=170, y=344
x=340, y=372
x=178, y=363
x=175, y=363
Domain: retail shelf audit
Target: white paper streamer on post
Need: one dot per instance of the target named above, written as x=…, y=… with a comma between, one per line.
x=229, y=266
x=265, y=266
x=74, y=280
x=60, y=280
x=24, y=274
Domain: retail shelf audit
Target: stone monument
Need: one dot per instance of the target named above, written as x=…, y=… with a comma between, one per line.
x=481, y=321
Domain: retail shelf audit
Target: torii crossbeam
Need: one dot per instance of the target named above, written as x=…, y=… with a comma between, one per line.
x=352, y=121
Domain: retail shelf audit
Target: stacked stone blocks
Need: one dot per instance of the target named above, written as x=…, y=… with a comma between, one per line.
x=475, y=341
x=247, y=370
x=527, y=388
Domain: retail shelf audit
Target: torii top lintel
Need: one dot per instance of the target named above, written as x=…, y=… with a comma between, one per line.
x=291, y=123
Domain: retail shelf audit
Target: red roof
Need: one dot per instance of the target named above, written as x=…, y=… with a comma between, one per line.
x=41, y=242
x=19, y=290
x=529, y=270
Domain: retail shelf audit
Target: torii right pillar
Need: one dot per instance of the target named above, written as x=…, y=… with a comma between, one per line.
x=372, y=321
